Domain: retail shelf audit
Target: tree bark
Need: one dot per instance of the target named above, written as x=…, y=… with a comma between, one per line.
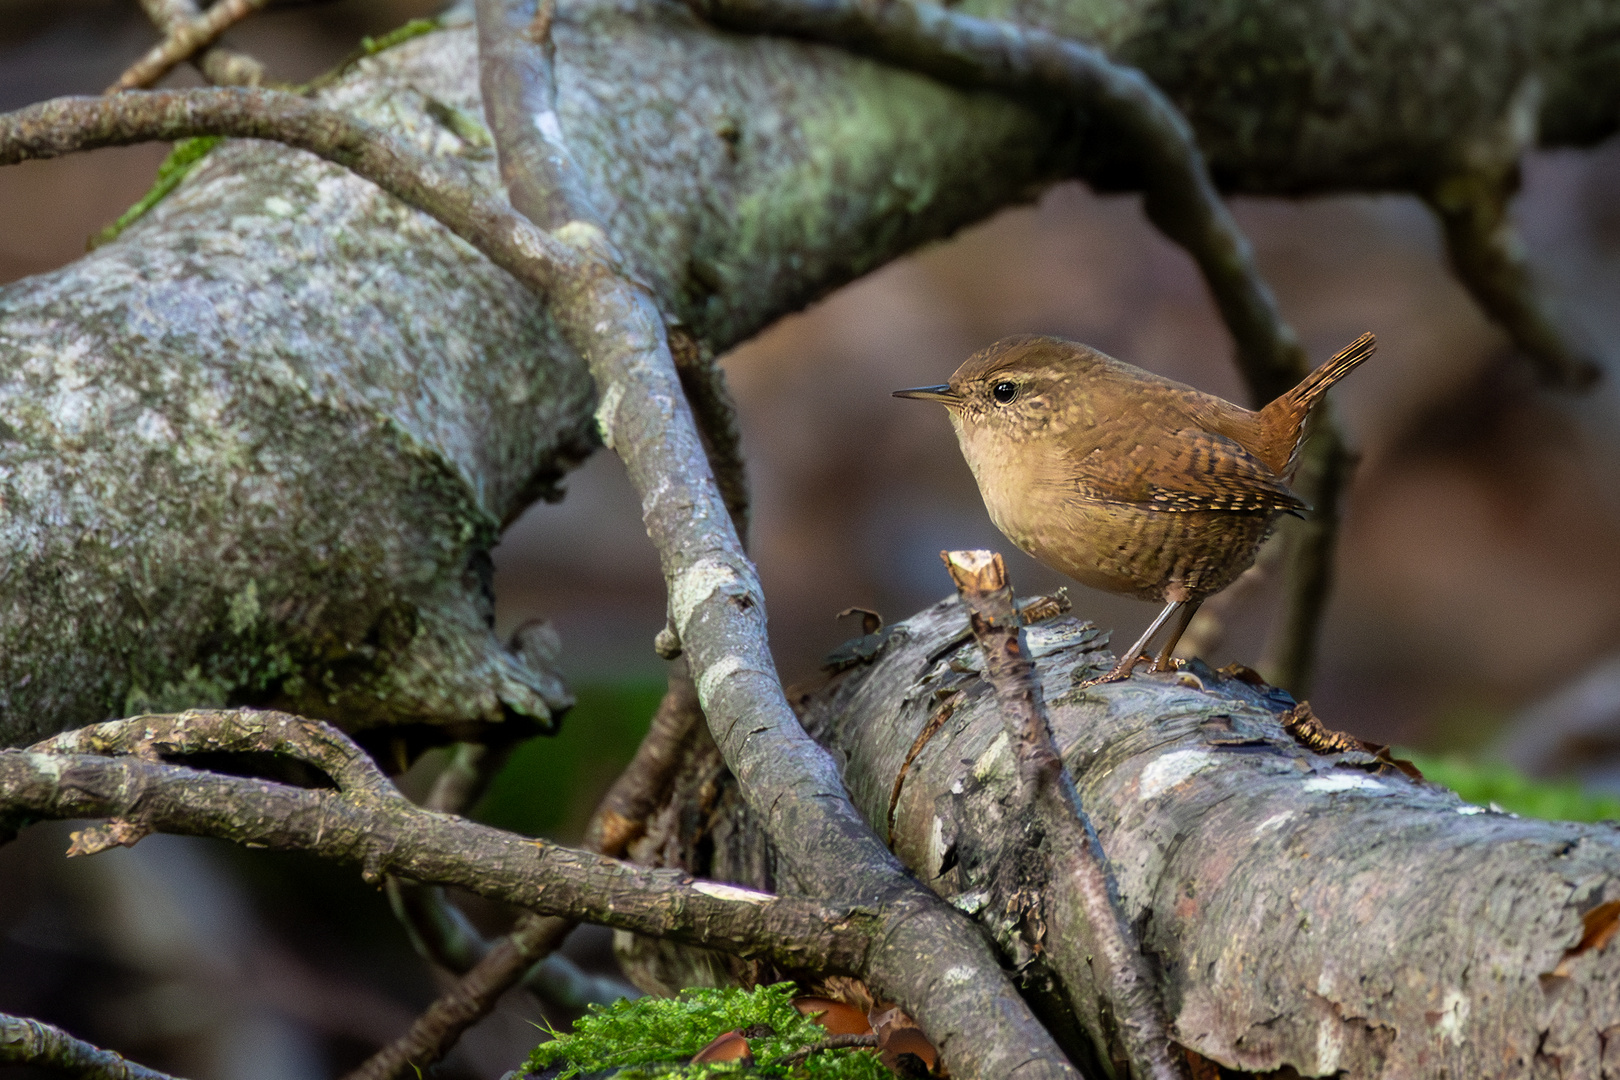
x=1325, y=913
x=257, y=449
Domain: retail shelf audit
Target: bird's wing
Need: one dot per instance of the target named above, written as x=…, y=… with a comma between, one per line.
x=1179, y=470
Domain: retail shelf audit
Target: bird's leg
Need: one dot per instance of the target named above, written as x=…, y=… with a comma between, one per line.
x=1129, y=658
x=1164, y=662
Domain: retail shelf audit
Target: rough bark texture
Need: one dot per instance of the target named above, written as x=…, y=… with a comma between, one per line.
x=257, y=449
x=1324, y=913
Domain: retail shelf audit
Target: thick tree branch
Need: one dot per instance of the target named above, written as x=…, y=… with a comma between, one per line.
x=29, y=1042
x=1045, y=787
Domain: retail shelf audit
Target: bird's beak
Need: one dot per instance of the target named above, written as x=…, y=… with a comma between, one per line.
x=942, y=394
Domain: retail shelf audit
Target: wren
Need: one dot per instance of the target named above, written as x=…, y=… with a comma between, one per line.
x=1124, y=480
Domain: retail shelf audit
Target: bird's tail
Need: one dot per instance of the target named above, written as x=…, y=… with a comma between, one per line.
x=1303, y=397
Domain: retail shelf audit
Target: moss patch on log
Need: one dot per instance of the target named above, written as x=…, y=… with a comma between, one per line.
x=656, y=1037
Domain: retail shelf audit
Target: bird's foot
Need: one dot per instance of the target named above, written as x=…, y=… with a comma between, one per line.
x=1120, y=672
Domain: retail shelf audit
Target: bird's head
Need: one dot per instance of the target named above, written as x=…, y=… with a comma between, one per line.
x=1023, y=388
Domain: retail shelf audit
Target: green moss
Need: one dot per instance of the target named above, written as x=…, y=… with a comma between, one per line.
x=1487, y=783
x=656, y=1036
x=185, y=156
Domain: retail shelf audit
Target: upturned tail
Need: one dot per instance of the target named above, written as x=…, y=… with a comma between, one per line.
x=1282, y=423
x=1301, y=399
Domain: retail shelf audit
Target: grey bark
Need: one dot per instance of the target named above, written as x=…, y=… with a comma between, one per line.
x=257, y=449
x=1325, y=914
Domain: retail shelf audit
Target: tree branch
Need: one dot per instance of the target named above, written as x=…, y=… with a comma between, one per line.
x=219, y=65
x=966, y=50
x=184, y=41
x=1272, y=882
x=433, y=1033
x=1489, y=259
x=386, y=834
x=1325, y=464
x=1074, y=851
x=30, y=1042
x=441, y=934
x=490, y=970
x=716, y=603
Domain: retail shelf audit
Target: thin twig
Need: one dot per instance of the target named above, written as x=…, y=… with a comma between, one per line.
x=442, y=935
x=386, y=834
x=705, y=384
x=468, y=1000
x=1325, y=464
x=1179, y=196
x=183, y=42
x=869, y=1041
x=1045, y=786
x=217, y=731
x=621, y=816
x=30, y=1042
x=219, y=65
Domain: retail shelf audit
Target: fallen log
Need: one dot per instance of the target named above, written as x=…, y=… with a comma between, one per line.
x=1310, y=909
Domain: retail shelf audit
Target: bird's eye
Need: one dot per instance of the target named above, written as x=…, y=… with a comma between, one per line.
x=1004, y=392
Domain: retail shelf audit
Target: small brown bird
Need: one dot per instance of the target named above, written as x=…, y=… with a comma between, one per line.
x=1123, y=480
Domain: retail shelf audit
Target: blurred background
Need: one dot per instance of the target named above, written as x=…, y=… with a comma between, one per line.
x=1477, y=607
